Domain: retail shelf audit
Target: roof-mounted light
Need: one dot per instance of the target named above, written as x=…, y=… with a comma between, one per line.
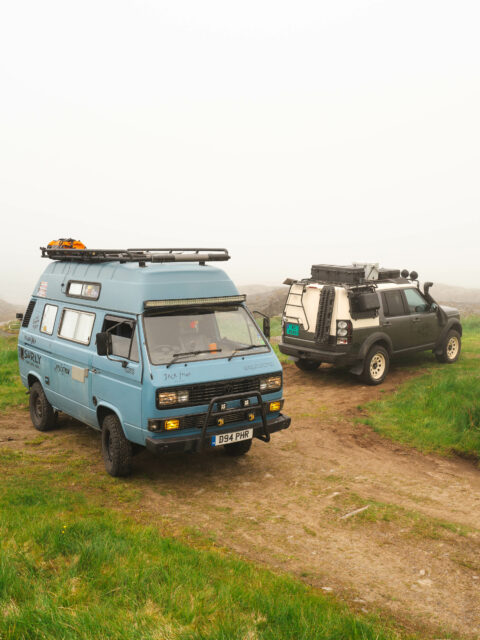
x=151, y=304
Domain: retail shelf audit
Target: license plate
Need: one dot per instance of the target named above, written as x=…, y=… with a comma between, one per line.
x=292, y=329
x=229, y=438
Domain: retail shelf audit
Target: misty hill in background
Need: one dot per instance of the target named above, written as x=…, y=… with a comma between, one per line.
x=8, y=311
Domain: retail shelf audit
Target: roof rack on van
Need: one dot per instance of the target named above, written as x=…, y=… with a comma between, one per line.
x=141, y=256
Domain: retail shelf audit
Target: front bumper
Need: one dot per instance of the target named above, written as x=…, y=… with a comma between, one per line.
x=196, y=442
x=319, y=355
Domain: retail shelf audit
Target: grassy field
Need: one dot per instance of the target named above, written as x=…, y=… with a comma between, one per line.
x=439, y=410
x=74, y=563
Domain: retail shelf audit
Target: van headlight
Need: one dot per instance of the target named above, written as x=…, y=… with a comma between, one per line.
x=167, y=398
x=272, y=383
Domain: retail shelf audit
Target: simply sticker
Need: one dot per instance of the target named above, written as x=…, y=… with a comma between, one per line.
x=42, y=289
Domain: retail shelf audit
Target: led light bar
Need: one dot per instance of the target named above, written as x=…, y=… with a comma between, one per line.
x=193, y=301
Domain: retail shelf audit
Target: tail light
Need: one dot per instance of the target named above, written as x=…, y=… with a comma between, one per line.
x=344, y=331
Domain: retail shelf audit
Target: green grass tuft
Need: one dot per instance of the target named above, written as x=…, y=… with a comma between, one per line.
x=12, y=392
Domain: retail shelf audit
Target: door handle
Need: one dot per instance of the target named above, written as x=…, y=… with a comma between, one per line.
x=94, y=370
x=416, y=319
x=387, y=324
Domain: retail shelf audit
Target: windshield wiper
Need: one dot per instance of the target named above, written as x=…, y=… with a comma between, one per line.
x=176, y=356
x=250, y=346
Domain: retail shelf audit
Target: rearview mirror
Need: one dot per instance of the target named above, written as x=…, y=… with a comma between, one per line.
x=19, y=316
x=266, y=328
x=104, y=343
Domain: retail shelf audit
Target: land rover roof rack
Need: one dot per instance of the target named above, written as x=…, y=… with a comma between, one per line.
x=140, y=255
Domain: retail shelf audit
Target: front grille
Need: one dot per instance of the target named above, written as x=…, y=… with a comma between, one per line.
x=203, y=393
x=197, y=421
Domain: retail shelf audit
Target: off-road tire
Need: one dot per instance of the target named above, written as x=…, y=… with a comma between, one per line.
x=238, y=448
x=452, y=345
x=307, y=365
x=116, y=449
x=41, y=411
x=375, y=365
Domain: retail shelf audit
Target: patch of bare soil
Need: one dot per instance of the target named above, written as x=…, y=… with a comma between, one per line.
x=328, y=500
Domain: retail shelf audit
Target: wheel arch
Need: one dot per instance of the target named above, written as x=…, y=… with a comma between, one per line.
x=32, y=378
x=377, y=338
x=104, y=410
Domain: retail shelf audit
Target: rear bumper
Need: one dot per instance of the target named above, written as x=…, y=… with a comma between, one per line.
x=318, y=355
x=191, y=442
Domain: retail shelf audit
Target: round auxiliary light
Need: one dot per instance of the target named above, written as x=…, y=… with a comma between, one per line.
x=342, y=332
x=342, y=324
x=413, y=275
x=404, y=273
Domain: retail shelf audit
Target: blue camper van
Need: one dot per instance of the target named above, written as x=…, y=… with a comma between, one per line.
x=153, y=347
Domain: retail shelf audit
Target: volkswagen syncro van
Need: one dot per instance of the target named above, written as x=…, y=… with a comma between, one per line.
x=153, y=347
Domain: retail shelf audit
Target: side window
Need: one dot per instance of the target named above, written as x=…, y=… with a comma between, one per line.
x=393, y=303
x=415, y=301
x=124, y=337
x=76, y=326
x=48, y=319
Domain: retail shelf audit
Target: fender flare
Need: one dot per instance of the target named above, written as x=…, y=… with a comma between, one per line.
x=378, y=336
x=36, y=376
x=453, y=323
x=104, y=408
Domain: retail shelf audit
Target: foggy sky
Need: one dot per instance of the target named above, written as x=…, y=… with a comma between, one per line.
x=290, y=133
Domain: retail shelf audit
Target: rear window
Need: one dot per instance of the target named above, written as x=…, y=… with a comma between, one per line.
x=76, y=326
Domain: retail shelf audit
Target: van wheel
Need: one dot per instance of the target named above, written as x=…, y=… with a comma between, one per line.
x=451, y=348
x=307, y=365
x=238, y=448
x=376, y=364
x=116, y=449
x=41, y=411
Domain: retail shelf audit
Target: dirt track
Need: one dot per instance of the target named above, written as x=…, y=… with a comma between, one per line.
x=413, y=552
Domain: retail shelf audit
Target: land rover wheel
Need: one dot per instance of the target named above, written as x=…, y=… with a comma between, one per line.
x=376, y=365
x=238, y=448
x=307, y=365
x=116, y=449
x=451, y=348
x=41, y=411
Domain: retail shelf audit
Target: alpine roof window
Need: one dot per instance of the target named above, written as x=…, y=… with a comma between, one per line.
x=76, y=326
x=88, y=290
x=124, y=337
x=48, y=319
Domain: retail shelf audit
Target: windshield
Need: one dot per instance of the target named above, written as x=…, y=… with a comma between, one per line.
x=201, y=334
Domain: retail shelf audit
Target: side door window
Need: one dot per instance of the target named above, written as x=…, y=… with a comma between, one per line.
x=124, y=337
x=416, y=302
x=394, y=304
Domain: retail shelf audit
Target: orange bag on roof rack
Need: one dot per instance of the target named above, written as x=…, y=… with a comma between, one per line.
x=66, y=243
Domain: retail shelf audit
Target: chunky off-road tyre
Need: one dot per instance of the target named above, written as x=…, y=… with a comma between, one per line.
x=376, y=365
x=451, y=348
x=307, y=365
x=41, y=411
x=238, y=448
x=116, y=449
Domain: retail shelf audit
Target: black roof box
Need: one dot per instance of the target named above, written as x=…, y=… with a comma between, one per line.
x=337, y=274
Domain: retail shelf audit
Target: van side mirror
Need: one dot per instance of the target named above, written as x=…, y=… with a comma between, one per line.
x=19, y=316
x=104, y=343
x=266, y=328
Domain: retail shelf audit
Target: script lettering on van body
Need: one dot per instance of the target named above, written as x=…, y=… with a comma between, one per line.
x=30, y=356
x=177, y=376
